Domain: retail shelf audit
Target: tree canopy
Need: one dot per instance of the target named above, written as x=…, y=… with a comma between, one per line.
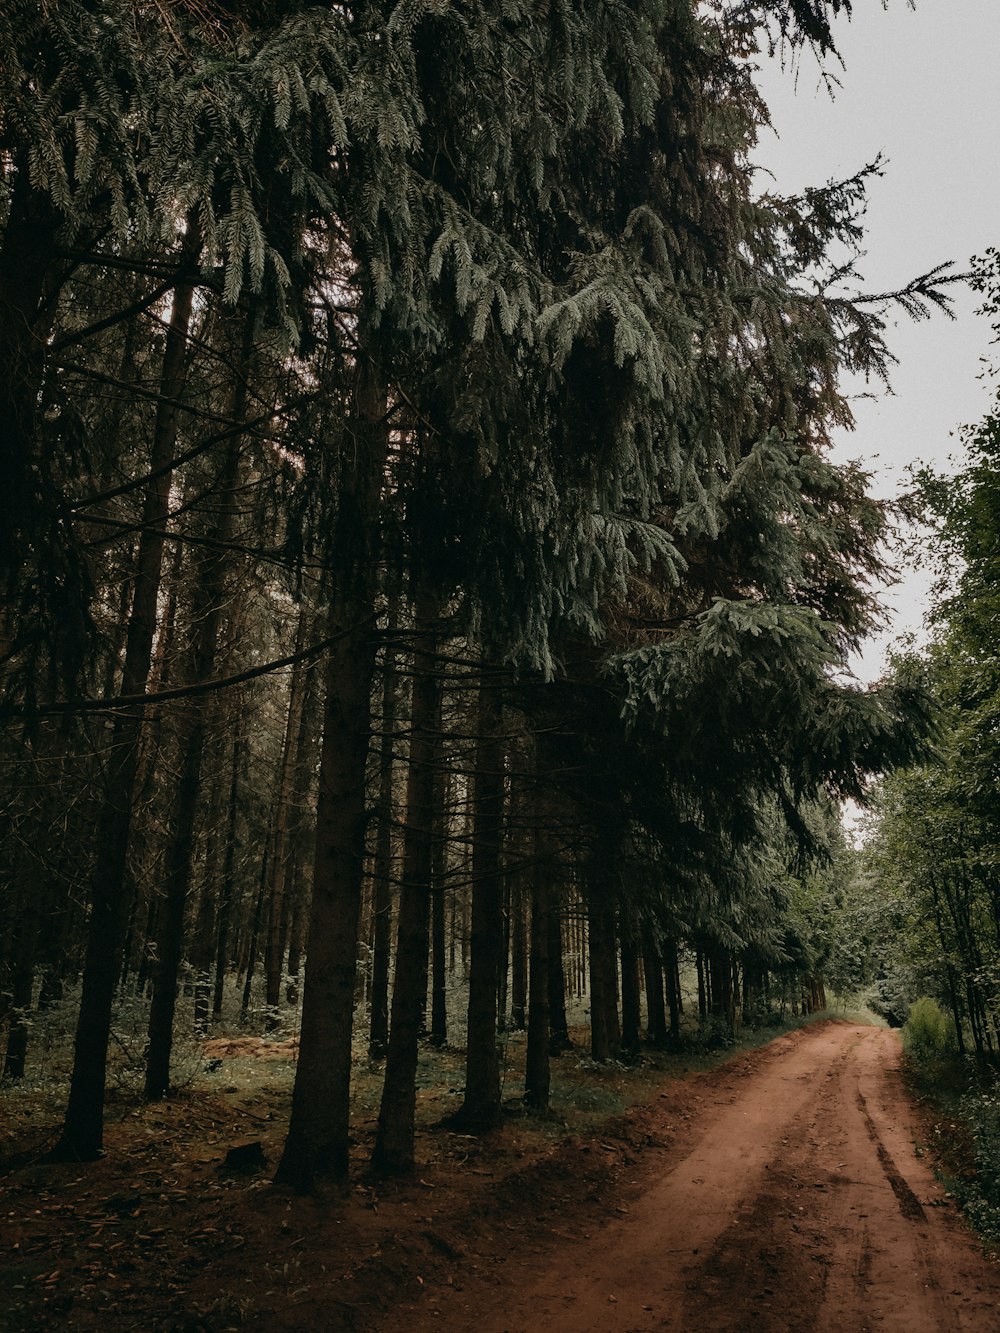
x=436, y=374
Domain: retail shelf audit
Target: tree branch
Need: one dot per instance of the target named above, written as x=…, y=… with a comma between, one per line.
x=185, y=691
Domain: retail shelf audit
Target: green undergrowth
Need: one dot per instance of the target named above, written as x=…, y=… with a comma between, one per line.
x=253, y=1073
x=961, y=1100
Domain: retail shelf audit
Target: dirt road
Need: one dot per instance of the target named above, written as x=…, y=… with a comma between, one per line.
x=797, y=1202
x=778, y=1192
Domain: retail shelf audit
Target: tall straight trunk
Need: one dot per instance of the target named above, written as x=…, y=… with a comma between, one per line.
x=580, y=924
x=277, y=923
x=228, y=871
x=631, y=1017
x=600, y=1037
x=23, y=955
x=558, y=1024
x=295, y=945
x=652, y=967
x=699, y=962
x=253, y=942
x=210, y=578
x=35, y=912
x=518, y=955
x=142, y=899
x=537, y=1074
x=480, y=1110
x=720, y=973
x=7, y=945
x=393, y=1151
x=953, y=996
x=366, y=927
x=503, y=979
x=439, y=975
x=672, y=972
x=299, y=843
x=301, y=887
x=467, y=920
x=170, y=932
x=203, y=939
x=112, y=666
x=609, y=955
x=82, y=1135
x=378, y=1032
x=53, y=957
x=603, y=950
x=202, y=942
x=317, y=1144
x=28, y=508
x=146, y=952
x=294, y=940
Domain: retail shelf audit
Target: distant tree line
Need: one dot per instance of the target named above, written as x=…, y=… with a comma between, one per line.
x=934, y=852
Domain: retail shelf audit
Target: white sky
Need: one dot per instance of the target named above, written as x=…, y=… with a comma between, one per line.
x=922, y=87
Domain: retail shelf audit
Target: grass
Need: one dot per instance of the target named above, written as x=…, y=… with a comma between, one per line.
x=256, y=1071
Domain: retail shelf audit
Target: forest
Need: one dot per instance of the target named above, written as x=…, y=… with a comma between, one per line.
x=428, y=593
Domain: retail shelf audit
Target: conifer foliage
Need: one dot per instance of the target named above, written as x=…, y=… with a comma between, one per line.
x=419, y=515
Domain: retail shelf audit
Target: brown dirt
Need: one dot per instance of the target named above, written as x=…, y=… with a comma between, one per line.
x=780, y=1192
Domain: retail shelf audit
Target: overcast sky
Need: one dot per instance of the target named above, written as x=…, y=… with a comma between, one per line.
x=921, y=87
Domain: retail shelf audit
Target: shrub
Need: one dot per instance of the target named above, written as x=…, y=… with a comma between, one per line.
x=929, y=1033
x=889, y=996
x=981, y=1197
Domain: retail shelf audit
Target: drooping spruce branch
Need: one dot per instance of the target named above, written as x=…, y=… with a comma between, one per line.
x=121, y=702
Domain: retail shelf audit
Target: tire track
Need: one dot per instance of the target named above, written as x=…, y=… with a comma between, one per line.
x=797, y=1207
x=909, y=1205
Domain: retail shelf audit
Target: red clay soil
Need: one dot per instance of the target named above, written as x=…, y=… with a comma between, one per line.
x=798, y=1204
x=779, y=1192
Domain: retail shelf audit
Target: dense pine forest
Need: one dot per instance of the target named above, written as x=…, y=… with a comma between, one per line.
x=427, y=588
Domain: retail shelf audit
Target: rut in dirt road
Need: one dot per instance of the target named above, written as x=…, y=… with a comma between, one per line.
x=800, y=1206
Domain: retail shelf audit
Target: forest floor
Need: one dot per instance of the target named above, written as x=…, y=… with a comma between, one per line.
x=779, y=1191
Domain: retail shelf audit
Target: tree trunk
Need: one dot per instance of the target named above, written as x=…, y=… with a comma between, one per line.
x=277, y=926
x=603, y=950
x=317, y=1144
x=652, y=966
x=503, y=977
x=170, y=933
x=32, y=521
x=480, y=1110
x=141, y=896
x=518, y=955
x=600, y=1037
x=439, y=977
x=204, y=934
x=558, y=1025
x=537, y=1074
x=228, y=871
x=631, y=1016
x=83, y=1130
x=24, y=943
x=209, y=584
x=699, y=963
x=253, y=944
x=672, y=972
x=378, y=1033
x=393, y=1151
x=300, y=845
x=203, y=940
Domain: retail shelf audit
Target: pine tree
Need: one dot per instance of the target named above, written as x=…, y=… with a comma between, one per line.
x=527, y=347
